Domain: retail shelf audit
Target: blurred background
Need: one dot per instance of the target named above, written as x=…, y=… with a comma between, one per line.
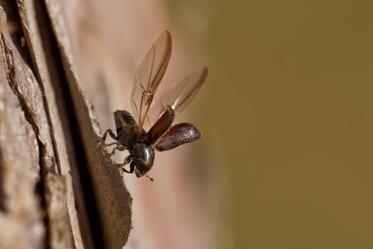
x=286, y=114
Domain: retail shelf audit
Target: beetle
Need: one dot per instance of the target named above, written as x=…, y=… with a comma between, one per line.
x=159, y=116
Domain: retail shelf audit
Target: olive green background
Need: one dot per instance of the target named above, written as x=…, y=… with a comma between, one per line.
x=289, y=108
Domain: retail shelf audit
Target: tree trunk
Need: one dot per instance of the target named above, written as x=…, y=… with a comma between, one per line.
x=58, y=188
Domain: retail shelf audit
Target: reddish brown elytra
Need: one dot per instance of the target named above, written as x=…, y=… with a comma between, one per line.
x=158, y=116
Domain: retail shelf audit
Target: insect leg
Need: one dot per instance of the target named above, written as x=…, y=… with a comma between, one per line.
x=127, y=160
x=119, y=147
x=110, y=132
x=114, y=143
x=132, y=168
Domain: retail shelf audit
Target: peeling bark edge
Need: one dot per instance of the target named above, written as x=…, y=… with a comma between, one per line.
x=113, y=200
x=107, y=198
x=25, y=87
x=49, y=69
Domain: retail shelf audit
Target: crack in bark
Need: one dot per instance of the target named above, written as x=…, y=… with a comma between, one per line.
x=45, y=161
x=65, y=131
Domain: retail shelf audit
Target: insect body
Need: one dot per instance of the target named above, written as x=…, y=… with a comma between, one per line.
x=159, y=116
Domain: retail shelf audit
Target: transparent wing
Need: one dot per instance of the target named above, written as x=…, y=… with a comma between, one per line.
x=179, y=97
x=149, y=75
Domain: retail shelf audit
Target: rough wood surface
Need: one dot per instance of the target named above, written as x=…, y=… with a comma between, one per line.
x=58, y=188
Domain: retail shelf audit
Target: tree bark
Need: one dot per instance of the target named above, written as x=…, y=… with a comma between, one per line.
x=58, y=188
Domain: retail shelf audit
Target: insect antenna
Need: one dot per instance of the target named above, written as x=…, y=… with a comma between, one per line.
x=151, y=179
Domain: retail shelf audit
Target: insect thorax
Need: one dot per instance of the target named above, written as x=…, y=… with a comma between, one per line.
x=127, y=128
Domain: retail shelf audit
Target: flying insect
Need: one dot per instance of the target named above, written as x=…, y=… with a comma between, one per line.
x=158, y=115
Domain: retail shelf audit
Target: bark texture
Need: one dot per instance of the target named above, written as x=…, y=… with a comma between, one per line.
x=58, y=188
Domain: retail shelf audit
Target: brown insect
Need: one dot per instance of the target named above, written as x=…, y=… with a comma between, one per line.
x=158, y=116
